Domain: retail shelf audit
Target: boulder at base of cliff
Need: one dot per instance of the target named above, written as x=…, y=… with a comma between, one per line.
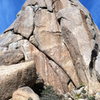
x=14, y=76
x=25, y=93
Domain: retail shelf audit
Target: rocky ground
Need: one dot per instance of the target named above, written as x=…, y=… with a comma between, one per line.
x=47, y=93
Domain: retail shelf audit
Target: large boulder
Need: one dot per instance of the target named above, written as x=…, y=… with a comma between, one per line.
x=24, y=23
x=11, y=57
x=8, y=38
x=25, y=93
x=14, y=76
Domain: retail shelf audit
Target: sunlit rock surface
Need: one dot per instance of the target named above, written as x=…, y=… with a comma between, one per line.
x=59, y=36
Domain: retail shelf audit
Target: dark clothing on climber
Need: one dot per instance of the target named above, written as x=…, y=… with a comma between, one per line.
x=94, y=55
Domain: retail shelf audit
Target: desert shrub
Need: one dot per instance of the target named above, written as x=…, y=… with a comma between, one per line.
x=49, y=94
x=91, y=98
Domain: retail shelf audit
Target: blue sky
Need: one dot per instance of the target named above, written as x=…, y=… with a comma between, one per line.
x=9, y=9
x=94, y=8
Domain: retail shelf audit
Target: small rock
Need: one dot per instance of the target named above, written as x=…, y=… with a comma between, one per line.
x=78, y=91
x=25, y=93
x=65, y=95
x=10, y=99
x=97, y=96
x=69, y=98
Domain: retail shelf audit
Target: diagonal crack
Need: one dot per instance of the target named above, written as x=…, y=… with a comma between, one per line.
x=50, y=58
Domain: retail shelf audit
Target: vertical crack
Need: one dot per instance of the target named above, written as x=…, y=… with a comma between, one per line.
x=75, y=54
x=50, y=58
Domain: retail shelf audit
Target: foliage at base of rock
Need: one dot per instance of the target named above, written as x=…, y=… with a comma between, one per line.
x=91, y=98
x=49, y=94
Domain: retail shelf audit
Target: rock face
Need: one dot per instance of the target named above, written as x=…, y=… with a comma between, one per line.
x=60, y=37
x=11, y=57
x=14, y=76
x=24, y=23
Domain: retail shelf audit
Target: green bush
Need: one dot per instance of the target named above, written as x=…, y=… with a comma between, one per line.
x=91, y=98
x=49, y=94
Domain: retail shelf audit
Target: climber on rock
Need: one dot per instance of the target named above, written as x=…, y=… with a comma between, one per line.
x=94, y=55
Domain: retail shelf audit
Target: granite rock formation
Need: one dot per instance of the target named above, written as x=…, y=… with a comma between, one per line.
x=59, y=36
x=25, y=93
x=15, y=76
